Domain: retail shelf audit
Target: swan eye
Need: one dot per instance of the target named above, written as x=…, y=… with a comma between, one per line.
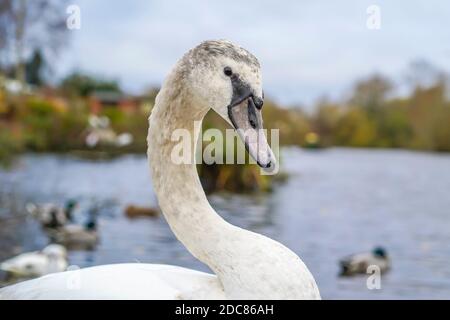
x=228, y=72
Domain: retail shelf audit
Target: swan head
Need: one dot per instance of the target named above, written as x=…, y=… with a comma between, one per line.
x=227, y=78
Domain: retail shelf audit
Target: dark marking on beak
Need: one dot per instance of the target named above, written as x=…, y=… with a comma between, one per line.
x=264, y=166
x=242, y=91
x=252, y=118
x=258, y=102
x=249, y=123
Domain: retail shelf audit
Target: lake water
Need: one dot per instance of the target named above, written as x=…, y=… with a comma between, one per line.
x=336, y=202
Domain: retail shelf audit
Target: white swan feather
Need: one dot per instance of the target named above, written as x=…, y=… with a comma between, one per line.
x=120, y=281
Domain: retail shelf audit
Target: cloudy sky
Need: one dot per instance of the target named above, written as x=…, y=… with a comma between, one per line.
x=307, y=49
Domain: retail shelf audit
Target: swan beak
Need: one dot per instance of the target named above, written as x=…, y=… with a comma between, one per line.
x=246, y=117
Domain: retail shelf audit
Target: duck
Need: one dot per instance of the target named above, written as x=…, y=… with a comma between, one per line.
x=132, y=212
x=76, y=236
x=224, y=77
x=51, y=259
x=50, y=215
x=100, y=132
x=358, y=263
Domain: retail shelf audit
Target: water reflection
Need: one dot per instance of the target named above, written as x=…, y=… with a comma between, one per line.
x=336, y=202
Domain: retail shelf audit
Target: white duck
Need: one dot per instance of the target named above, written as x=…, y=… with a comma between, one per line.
x=51, y=259
x=247, y=265
x=100, y=132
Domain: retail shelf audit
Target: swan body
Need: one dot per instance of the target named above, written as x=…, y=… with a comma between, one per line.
x=51, y=259
x=247, y=265
x=120, y=281
x=358, y=263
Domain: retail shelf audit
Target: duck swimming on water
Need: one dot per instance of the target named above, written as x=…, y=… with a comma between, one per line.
x=50, y=215
x=358, y=263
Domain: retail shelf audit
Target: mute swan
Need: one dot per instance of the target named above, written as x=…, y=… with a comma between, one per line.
x=358, y=263
x=247, y=265
x=51, y=215
x=52, y=258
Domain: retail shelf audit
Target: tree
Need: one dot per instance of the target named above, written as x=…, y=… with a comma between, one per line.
x=5, y=12
x=83, y=85
x=355, y=128
x=34, y=69
x=422, y=74
x=371, y=93
x=28, y=25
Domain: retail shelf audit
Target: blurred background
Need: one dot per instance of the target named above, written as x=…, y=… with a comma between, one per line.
x=359, y=91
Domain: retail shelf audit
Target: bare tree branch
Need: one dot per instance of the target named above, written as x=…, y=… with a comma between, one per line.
x=30, y=25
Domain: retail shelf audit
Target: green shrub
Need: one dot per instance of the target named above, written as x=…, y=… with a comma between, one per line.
x=10, y=146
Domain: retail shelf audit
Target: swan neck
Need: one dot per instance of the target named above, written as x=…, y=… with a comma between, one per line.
x=177, y=186
x=248, y=265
